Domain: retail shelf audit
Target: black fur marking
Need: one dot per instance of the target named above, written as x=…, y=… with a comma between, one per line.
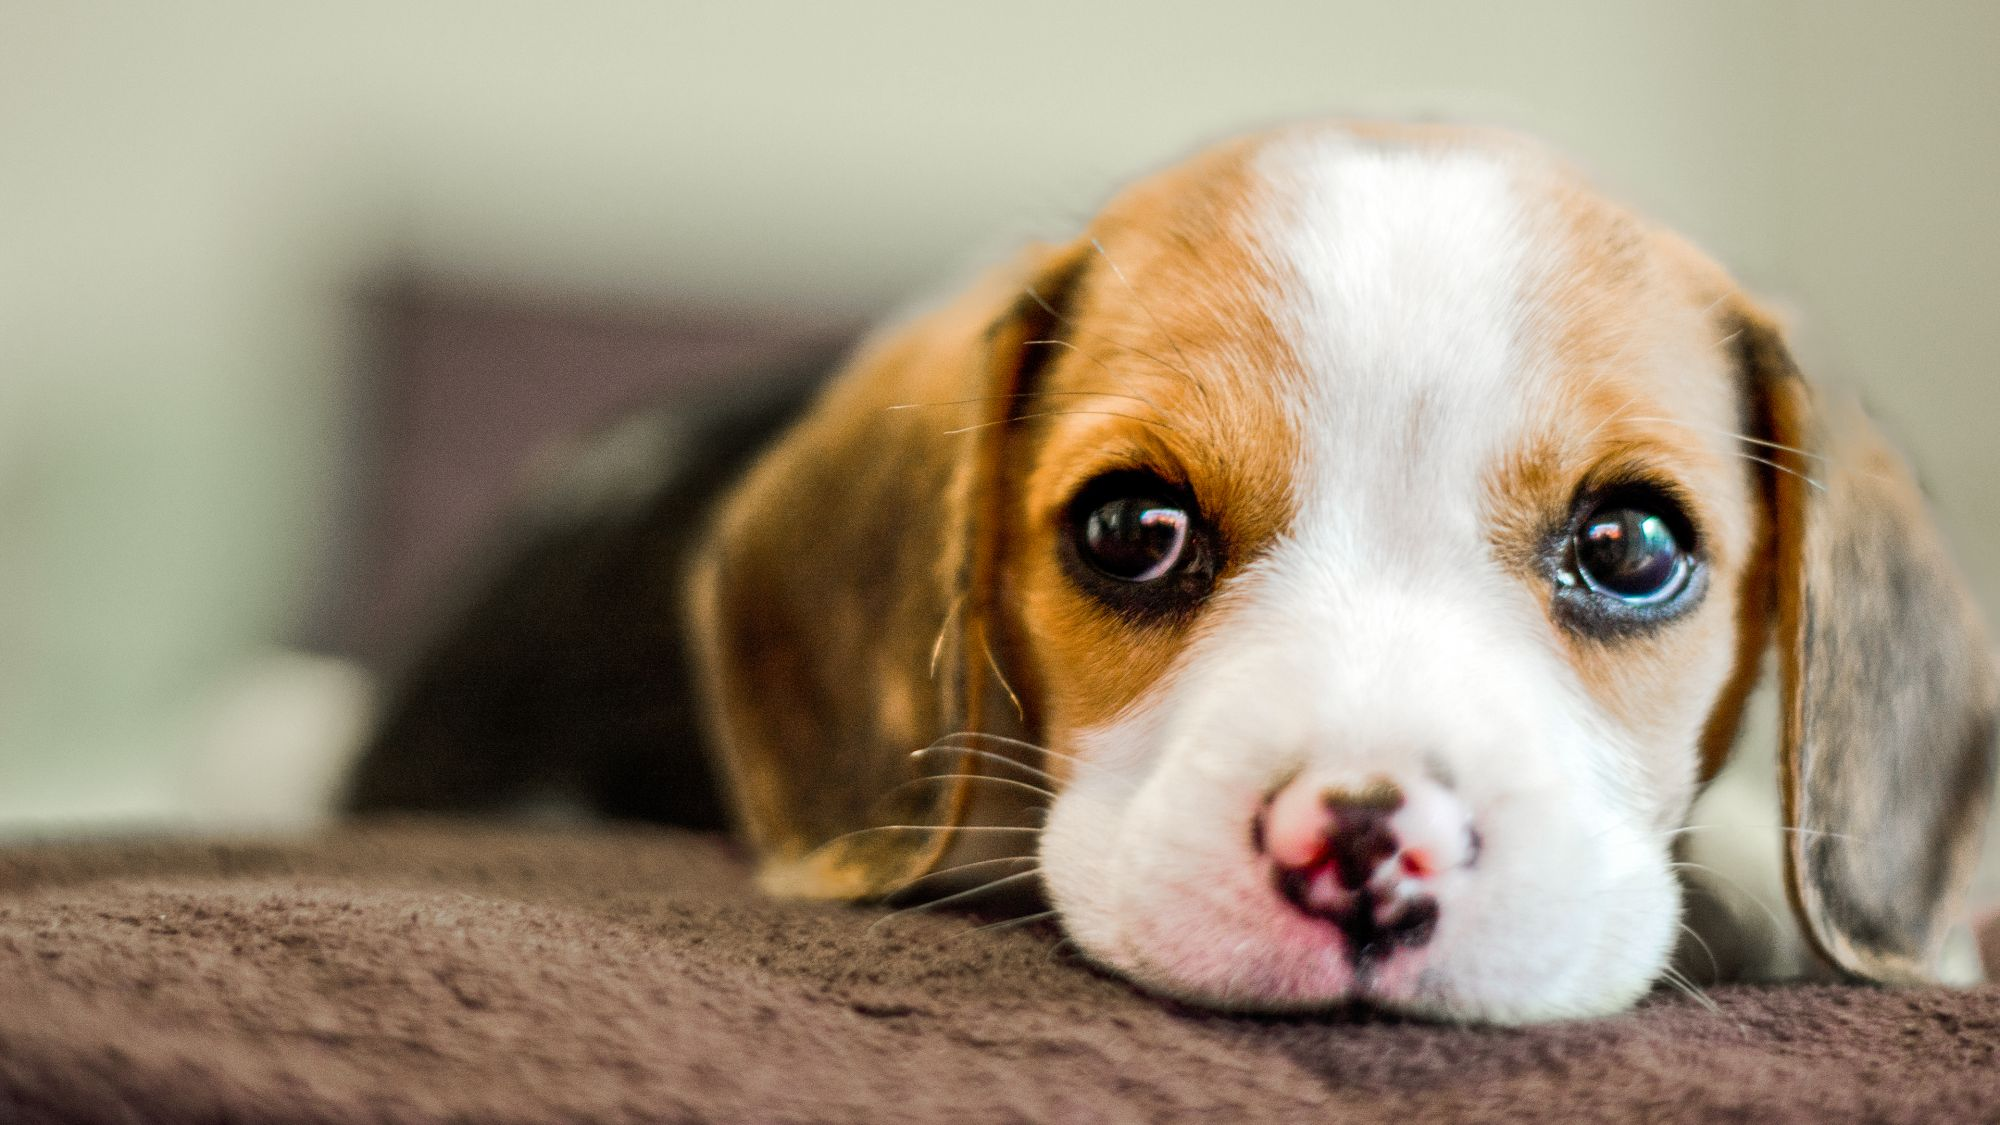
x=566, y=673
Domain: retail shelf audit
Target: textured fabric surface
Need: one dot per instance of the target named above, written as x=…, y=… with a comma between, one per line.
x=442, y=973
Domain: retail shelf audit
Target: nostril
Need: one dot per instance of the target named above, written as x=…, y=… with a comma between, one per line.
x=1304, y=823
x=1417, y=864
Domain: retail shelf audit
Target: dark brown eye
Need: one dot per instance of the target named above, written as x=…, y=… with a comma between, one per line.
x=1139, y=544
x=1631, y=554
x=1630, y=560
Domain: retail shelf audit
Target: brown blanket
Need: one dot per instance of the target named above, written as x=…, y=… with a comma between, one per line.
x=470, y=974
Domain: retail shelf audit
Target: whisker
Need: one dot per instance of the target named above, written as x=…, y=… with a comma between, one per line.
x=1781, y=468
x=1116, y=377
x=1080, y=762
x=1075, y=327
x=990, y=756
x=1145, y=308
x=947, y=900
x=1603, y=374
x=997, y=828
x=937, y=646
x=1746, y=438
x=970, y=829
x=1732, y=827
x=1608, y=420
x=1025, y=394
x=1003, y=924
x=1021, y=744
x=1020, y=712
x=986, y=777
x=1848, y=836
x=1777, y=926
x=1061, y=414
x=978, y=863
x=1684, y=985
x=1778, y=445
x=1714, y=966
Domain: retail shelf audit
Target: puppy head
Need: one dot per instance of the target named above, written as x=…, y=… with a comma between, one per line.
x=1381, y=532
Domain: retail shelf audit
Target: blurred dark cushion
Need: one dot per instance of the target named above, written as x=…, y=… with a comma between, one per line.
x=465, y=388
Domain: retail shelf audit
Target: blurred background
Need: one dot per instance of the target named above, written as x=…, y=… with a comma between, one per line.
x=286, y=288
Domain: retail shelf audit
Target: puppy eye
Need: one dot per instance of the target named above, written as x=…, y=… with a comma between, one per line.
x=1630, y=559
x=1135, y=538
x=1631, y=554
x=1139, y=545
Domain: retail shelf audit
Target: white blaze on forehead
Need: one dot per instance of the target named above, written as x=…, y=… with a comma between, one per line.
x=1403, y=295
x=1405, y=281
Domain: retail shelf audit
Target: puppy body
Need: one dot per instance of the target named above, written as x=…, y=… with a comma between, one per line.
x=1373, y=732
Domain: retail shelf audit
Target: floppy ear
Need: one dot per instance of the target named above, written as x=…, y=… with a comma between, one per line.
x=845, y=604
x=1887, y=683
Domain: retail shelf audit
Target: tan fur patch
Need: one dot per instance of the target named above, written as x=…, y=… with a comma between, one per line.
x=1172, y=365
x=1638, y=385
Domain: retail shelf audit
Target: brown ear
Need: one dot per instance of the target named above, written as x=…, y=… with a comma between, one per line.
x=844, y=605
x=1886, y=680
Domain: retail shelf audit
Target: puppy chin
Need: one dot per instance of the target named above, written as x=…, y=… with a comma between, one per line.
x=1158, y=879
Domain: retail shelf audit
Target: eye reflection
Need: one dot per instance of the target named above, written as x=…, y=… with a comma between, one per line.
x=1135, y=538
x=1631, y=554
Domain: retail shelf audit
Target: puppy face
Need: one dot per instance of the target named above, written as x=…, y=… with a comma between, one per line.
x=1389, y=433
x=1375, y=532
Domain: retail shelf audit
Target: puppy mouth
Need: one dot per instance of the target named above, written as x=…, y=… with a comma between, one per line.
x=1371, y=924
x=1386, y=980
x=1288, y=949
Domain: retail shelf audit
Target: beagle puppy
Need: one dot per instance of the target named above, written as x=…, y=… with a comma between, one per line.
x=1360, y=543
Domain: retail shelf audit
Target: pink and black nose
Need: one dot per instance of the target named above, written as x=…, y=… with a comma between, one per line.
x=1365, y=857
